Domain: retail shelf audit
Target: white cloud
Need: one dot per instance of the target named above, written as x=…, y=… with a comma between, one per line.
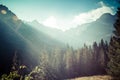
x=50, y=22
x=79, y=19
x=92, y=15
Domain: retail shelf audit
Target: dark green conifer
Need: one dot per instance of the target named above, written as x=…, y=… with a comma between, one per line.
x=114, y=50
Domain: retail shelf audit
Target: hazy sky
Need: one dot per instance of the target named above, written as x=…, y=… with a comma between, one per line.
x=62, y=14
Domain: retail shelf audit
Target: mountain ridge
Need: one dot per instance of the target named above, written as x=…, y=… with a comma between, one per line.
x=102, y=28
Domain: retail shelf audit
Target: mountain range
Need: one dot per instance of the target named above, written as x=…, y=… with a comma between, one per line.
x=87, y=33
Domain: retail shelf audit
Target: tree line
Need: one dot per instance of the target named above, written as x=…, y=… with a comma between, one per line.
x=62, y=64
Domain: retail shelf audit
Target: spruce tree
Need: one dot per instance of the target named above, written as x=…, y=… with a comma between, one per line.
x=114, y=50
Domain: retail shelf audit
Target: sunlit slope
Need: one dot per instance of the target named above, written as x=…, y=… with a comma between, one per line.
x=100, y=77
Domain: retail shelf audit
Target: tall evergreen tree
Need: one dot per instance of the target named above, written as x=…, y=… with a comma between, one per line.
x=114, y=50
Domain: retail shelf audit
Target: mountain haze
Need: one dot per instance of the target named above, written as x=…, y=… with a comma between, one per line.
x=87, y=33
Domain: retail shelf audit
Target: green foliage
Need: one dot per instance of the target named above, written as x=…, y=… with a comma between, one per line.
x=12, y=75
x=36, y=74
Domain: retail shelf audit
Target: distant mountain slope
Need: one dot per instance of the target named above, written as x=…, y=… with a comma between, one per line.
x=95, y=31
x=52, y=32
x=86, y=33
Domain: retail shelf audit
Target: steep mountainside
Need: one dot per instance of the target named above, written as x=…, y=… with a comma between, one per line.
x=20, y=38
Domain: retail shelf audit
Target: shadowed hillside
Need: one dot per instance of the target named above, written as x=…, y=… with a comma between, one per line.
x=18, y=36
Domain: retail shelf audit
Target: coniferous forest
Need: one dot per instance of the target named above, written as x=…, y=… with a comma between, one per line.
x=29, y=54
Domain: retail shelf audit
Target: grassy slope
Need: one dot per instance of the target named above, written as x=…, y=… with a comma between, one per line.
x=99, y=77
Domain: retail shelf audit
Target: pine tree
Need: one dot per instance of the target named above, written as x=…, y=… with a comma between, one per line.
x=114, y=50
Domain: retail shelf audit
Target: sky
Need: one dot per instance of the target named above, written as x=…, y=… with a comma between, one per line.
x=61, y=14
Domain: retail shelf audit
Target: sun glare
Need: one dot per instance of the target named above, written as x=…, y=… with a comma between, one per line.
x=3, y=12
x=51, y=22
